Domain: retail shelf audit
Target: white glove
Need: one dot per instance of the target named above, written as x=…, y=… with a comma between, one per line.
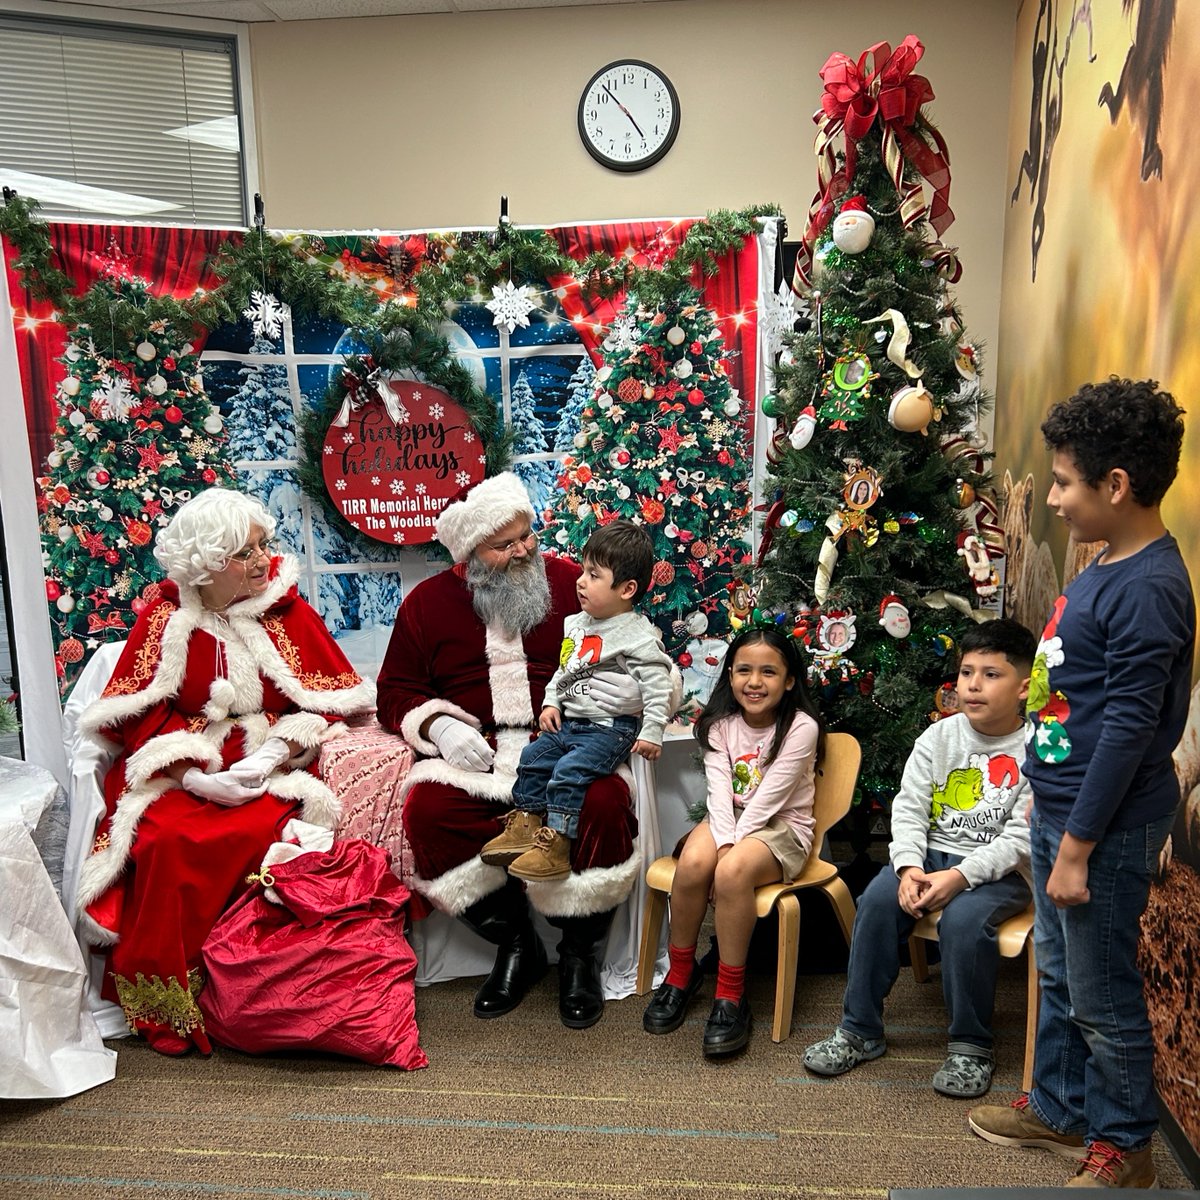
x=257, y=767
x=460, y=745
x=616, y=693
x=221, y=788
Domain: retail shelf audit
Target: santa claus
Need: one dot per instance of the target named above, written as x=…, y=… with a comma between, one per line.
x=462, y=682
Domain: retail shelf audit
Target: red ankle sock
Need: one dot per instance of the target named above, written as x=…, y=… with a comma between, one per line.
x=731, y=982
x=683, y=960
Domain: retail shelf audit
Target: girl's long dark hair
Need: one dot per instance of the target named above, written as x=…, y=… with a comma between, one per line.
x=796, y=699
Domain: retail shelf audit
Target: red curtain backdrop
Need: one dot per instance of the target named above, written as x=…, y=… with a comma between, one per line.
x=173, y=261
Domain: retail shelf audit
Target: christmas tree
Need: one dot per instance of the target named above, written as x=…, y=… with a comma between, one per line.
x=664, y=443
x=261, y=424
x=881, y=537
x=529, y=437
x=135, y=437
x=579, y=396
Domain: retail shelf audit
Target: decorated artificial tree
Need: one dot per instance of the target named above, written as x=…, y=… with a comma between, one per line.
x=664, y=443
x=881, y=539
x=135, y=437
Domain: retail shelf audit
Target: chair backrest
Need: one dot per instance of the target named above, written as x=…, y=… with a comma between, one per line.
x=836, y=776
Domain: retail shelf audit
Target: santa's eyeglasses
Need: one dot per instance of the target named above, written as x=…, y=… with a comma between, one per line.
x=509, y=548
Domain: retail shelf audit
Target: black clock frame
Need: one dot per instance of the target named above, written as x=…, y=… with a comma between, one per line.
x=620, y=165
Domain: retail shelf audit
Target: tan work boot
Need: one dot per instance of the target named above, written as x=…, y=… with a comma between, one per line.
x=1016, y=1124
x=519, y=830
x=550, y=857
x=1106, y=1166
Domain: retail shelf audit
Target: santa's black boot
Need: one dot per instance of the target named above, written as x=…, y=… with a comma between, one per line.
x=580, y=996
x=502, y=918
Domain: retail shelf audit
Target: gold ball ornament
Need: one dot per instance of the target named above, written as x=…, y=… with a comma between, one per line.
x=962, y=494
x=912, y=409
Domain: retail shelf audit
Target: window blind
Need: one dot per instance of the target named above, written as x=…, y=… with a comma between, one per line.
x=121, y=123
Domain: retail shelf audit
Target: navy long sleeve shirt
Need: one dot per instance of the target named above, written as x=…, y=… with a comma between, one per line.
x=1109, y=695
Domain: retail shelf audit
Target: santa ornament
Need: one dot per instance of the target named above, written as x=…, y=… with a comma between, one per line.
x=893, y=616
x=853, y=227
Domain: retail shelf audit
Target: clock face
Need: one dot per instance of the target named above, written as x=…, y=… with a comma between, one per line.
x=628, y=115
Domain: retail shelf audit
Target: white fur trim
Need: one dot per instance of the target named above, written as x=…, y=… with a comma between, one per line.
x=583, y=893
x=487, y=507
x=319, y=806
x=457, y=889
x=222, y=696
x=484, y=784
x=508, y=678
x=169, y=748
x=410, y=726
x=305, y=729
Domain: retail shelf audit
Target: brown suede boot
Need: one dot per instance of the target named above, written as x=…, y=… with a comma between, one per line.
x=517, y=838
x=1106, y=1166
x=550, y=857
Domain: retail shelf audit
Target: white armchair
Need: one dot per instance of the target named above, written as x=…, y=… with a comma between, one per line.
x=88, y=763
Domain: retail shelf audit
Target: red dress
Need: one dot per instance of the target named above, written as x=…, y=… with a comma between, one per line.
x=196, y=688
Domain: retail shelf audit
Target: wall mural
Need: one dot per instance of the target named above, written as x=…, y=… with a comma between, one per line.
x=1101, y=251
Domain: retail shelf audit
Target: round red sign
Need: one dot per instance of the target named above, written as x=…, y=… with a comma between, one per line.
x=393, y=462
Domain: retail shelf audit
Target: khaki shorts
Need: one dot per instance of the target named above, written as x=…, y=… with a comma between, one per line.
x=780, y=838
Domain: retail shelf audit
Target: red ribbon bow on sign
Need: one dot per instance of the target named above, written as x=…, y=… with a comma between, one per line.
x=112, y=621
x=852, y=100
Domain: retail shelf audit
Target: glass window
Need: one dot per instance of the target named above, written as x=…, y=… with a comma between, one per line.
x=103, y=121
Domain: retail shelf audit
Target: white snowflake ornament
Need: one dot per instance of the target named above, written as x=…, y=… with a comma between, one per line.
x=266, y=314
x=115, y=397
x=777, y=318
x=511, y=305
x=622, y=335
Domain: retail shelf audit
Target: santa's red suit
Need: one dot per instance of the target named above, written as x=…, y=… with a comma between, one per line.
x=442, y=659
x=205, y=689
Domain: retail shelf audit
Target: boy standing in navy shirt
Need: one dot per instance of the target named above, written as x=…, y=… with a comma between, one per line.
x=1107, y=705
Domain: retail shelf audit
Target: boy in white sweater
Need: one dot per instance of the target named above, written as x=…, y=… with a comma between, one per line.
x=580, y=742
x=960, y=842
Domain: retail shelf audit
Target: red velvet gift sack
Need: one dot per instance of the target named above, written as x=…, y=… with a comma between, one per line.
x=328, y=969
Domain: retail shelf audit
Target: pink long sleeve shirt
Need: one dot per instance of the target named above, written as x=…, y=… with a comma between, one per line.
x=742, y=796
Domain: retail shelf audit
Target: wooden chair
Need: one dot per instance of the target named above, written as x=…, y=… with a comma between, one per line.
x=1015, y=935
x=836, y=777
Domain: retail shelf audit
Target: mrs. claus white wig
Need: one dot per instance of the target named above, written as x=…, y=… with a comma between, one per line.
x=205, y=531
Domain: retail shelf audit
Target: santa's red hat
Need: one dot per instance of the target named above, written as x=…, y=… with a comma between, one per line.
x=483, y=509
x=854, y=204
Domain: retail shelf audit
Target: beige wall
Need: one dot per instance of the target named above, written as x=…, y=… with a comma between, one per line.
x=417, y=122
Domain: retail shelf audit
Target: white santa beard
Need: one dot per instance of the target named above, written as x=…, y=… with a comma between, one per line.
x=516, y=597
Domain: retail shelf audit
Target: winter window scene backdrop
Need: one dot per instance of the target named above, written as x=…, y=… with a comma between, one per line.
x=533, y=347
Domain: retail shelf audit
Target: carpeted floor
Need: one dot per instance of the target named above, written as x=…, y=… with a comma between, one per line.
x=521, y=1107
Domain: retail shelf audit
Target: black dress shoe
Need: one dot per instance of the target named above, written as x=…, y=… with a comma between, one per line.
x=728, y=1028
x=666, y=1012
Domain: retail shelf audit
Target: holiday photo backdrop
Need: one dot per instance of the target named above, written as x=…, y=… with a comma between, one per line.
x=1101, y=255
x=355, y=384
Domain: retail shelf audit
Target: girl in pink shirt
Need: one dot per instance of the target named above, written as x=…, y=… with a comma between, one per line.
x=760, y=732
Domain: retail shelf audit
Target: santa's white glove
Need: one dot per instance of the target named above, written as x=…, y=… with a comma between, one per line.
x=460, y=745
x=616, y=693
x=221, y=788
x=257, y=767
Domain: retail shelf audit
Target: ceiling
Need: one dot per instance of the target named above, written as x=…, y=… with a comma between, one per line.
x=311, y=10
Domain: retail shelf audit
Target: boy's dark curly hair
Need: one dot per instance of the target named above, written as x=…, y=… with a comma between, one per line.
x=1120, y=423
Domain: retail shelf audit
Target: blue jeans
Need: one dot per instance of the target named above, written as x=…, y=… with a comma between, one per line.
x=969, y=949
x=557, y=768
x=1094, y=1064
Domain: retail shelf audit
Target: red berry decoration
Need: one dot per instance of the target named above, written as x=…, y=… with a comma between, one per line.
x=208, y=475
x=174, y=414
x=697, y=347
x=53, y=591
x=112, y=557
x=684, y=660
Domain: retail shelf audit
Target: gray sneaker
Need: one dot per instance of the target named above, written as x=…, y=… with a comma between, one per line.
x=964, y=1076
x=842, y=1052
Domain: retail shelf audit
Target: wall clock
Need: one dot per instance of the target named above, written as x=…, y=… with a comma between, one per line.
x=628, y=115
